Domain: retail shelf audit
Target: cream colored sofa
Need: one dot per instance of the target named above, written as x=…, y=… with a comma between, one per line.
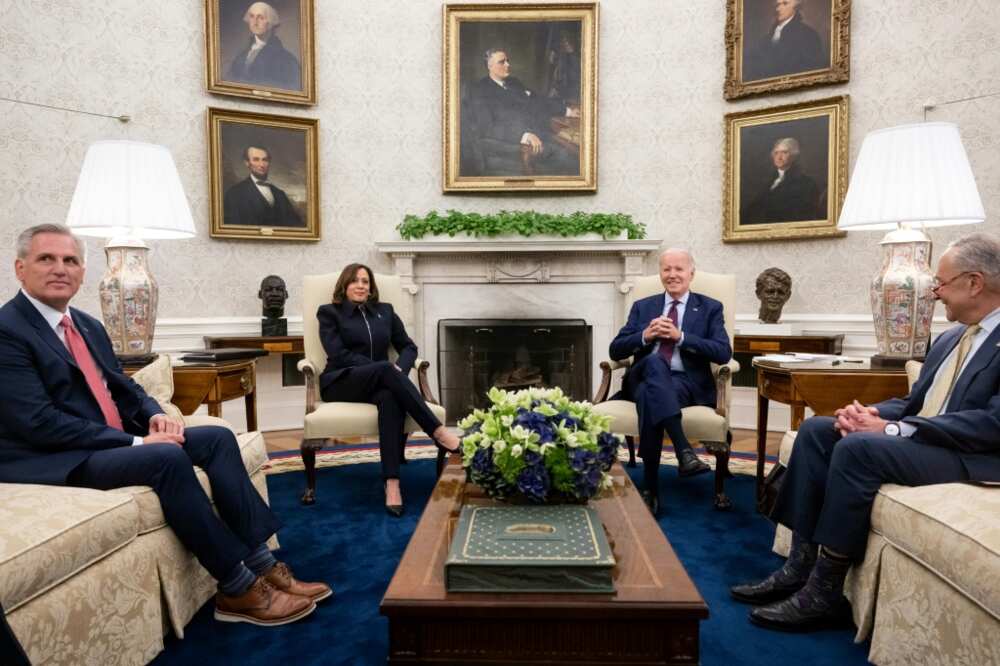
x=928, y=590
x=96, y=577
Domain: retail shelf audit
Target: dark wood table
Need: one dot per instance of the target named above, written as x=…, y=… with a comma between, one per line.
x=213, y=383
x=272, y=343
x=652, y=619
x=746, y=347
x=821, y=386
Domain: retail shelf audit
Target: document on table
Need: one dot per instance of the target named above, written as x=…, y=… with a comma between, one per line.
x=783, y=358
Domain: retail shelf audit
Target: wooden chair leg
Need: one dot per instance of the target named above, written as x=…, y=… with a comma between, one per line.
x=721, y=452
x=630, y=441
x=308, y=448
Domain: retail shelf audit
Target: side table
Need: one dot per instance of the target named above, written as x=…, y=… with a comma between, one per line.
x=746, y=347
x=214, y=383
x=282, y=344
x=821, y=386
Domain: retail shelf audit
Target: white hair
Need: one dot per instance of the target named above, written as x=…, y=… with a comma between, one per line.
x=273, y=20
x=978, y=253
x=788, y=142
x=681, y=250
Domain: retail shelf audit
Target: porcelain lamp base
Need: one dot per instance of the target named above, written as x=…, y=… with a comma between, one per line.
x=901, y=298
x=128, y=298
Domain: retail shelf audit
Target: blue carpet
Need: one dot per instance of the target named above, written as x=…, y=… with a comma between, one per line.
x=348, y=540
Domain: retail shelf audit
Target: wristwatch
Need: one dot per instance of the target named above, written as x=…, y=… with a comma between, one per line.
x=891, y=428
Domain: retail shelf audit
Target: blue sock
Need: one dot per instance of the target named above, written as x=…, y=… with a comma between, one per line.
x=260, y=560
x=238, y=581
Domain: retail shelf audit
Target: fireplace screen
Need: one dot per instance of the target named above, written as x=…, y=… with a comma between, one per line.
x=512, y=354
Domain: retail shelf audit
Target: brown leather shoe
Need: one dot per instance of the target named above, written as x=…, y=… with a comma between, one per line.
x=280, y=576
x=263, y=605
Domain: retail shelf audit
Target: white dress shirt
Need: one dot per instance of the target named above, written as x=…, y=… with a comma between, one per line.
x=676, y=364
x=776, y=37
x=264, y=190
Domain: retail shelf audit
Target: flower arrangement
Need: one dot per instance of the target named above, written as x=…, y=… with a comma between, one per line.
x=540, y=444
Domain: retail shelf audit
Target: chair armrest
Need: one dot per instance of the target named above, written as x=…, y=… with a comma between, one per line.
x=607, y=368
x=307, y=368
x=723, y=385
x=420, y=365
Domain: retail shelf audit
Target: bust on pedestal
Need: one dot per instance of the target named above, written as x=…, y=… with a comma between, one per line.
x=273, y=295
x=774, y=288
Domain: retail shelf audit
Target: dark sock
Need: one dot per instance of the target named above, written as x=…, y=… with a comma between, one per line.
x=800, y=562
x=651, y=476
x=260, y=560
x=672, y=426
x=238, y=581
x=825, y=587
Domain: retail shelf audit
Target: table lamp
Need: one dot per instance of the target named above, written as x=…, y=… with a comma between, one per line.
x=908, y=178
x=129, y=191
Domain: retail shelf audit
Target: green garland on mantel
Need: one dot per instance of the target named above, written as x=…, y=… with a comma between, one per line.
x=523, y=223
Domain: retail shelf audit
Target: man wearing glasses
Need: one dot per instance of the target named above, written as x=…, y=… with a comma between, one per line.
x=946, y=430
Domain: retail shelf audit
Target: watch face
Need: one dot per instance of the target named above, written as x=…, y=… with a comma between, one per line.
x=891, y=429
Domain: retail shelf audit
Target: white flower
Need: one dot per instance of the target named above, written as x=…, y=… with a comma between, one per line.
x=546, y=447
x=516, y=450
x=571, y=440
x=499, y=445
x=506, y=420
x=606, y=482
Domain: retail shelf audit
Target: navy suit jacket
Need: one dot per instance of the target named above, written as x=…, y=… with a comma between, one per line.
x=50, y=421
x=971, y=424
x=351, y=339
x=705, y=339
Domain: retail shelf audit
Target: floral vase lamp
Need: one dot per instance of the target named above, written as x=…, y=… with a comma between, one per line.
x=129, y=191
x=908, y=178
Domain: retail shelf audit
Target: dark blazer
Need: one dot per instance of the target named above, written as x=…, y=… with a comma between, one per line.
x=796, y=198
x=505, y=114
x=705, y=339
x=50, y=422
x=354, y=335
x=798, y=50
x=244, y=204
x=971, y=424
x=274, y=66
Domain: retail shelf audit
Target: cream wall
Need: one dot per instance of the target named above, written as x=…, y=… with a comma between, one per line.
x=379, y=81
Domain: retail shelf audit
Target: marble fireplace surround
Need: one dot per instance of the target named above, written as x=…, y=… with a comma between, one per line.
x=517, y=279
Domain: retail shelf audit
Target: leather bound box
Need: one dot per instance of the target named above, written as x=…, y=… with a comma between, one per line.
x=550, y=548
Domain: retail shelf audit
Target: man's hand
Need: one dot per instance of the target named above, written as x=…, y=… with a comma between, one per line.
x=161, y=423
x=163, y=438
x=660, y=327
x=856, y=417
x=533, y=141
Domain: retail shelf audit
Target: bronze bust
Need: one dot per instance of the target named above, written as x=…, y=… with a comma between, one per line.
x=774, y=288
x=273, y=295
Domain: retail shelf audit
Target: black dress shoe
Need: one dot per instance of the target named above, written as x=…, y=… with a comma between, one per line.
x=651, y=500
x=769, y=590
x=394, y=510
x=803, y=611
x=688, y=464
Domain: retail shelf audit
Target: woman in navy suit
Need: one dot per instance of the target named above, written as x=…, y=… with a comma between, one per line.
x=356, y=330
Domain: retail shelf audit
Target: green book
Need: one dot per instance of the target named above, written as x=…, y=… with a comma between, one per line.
x=551, y=548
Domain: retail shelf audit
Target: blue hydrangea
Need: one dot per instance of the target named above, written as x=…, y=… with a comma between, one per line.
x=536, y=423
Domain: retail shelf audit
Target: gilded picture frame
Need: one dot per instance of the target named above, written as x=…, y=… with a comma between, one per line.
x=785, y=171
x=778, y=45
x=263, y=176
x=261, y=50
x=519, y=97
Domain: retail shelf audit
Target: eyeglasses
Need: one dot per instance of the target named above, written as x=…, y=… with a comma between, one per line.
x=938, y=283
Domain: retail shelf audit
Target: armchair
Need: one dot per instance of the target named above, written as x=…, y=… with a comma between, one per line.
x=326, y=420
x=701, y=424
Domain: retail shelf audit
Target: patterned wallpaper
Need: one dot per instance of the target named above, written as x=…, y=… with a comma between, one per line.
x=379, y=82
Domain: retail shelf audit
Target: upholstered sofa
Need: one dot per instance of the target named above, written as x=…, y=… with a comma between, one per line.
x=928, y=590
x=96, y=577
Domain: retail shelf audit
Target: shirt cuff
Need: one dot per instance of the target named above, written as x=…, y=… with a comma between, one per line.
x=524, y=139
x=137, y=441
x=680, y=340
x=906, y=429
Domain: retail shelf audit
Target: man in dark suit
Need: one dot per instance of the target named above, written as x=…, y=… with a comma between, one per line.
x=69, y=416
x=673, y=338
x=265, y=61
x=257, y=201
x=947, y=430
x=789, y=195
x=790, y=46
x=511, y=125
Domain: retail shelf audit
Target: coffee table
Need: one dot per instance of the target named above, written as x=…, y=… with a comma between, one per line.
x=652, y=619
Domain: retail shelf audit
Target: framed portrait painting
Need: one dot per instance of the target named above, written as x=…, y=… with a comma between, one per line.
x=262, y=50
x=263, y=176
x=520, y=97
x=785, y=171
x=776, y=45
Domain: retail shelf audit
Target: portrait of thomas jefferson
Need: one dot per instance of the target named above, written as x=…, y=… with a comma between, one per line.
x=785, y=37
x=253, y=51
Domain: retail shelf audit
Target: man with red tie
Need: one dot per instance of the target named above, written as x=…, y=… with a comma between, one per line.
x=69, y=416
x=673, y=338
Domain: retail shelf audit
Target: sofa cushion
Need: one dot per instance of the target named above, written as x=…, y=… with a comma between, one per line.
x=52, y=532
x=157, y=380
x=150, y=514
x=951, y=528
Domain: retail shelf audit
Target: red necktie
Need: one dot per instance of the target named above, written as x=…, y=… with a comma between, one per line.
x=667, y=346
x=78, y=348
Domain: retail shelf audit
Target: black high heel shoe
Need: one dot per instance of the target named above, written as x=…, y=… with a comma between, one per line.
x=445, y=449
x=394, y=510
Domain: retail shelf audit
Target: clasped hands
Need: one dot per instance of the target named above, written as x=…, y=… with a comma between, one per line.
x=661, y=327
x=856, y=417
x=164, y=430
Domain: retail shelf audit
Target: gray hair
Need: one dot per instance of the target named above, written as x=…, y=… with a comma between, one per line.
x=682, y=250
x=489, y=53
x=978, y=253
x=273, y=20
x=790, y=143
x=25, y=238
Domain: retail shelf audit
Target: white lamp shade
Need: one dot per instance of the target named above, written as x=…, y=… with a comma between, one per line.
x=912, y=174
x=129, y=189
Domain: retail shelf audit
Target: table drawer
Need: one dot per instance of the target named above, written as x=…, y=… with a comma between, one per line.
x=776, y=387
x=235, y=385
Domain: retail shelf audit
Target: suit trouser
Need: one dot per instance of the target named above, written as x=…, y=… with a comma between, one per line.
x=219, y=543
x=659, y=393
x=395, y=396
x=828, y=491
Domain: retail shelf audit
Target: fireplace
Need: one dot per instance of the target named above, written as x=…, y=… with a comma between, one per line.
x=512, y=354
